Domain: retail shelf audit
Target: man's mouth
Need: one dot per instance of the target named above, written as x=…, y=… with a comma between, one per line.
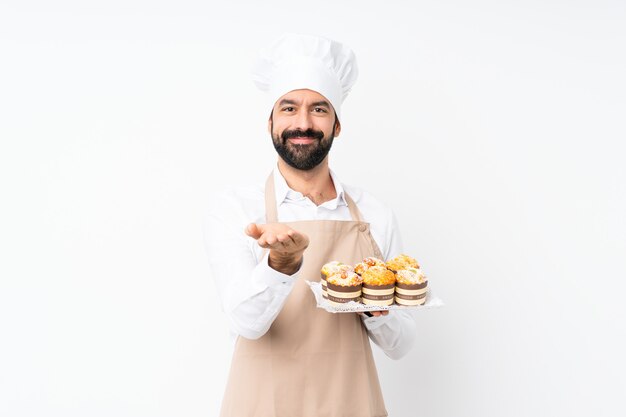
x=300, y=140
x=302, y=137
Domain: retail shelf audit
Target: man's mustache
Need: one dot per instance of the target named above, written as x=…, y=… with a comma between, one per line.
x=309, y=133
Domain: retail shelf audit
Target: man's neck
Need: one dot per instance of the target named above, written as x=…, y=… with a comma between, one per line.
x=316, y=184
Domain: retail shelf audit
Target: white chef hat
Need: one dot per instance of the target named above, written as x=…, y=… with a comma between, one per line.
x=296, y=62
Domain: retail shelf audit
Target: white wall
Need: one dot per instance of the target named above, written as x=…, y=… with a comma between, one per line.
x=498, y=128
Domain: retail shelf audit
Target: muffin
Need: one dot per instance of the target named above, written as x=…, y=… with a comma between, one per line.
x=401, y=262
x=329, y=269
x=367, y=263
x=343, y=287
x=411, y=287
x=378, y=286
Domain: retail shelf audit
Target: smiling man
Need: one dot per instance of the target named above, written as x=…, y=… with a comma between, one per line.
x=291, y=358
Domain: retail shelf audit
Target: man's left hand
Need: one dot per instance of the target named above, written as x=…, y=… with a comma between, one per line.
x=377, y=313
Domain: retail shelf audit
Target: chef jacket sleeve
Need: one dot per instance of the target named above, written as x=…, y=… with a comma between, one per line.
x=394, y=333
x=251, y=292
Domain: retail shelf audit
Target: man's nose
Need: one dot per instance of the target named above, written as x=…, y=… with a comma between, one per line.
x=303, y=120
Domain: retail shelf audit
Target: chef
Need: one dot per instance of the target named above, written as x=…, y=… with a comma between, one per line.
x=292, y=359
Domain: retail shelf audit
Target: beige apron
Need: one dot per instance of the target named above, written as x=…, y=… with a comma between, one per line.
x=310, y=363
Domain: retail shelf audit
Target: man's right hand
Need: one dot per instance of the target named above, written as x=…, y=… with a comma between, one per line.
x=286, y=245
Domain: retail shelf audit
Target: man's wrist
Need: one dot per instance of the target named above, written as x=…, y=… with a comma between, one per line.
x=285, y=265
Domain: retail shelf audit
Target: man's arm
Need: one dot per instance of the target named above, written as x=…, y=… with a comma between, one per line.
x=395, y=332
x=252, y=293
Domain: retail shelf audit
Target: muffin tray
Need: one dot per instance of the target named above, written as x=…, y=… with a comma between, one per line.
x=354, y=307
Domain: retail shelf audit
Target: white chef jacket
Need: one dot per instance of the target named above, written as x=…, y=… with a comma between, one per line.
x=252, y=293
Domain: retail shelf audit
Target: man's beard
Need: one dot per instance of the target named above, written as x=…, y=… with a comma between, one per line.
x=300, y=156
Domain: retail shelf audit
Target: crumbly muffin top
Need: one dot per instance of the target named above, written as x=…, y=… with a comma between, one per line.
x=378, y=275
x=345, y=279
x=411, y=276
x=334, y=267
x=367, y=263
x=402, y=261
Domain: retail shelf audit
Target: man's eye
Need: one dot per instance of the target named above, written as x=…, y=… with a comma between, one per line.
x=319, y=110
x=288, y=109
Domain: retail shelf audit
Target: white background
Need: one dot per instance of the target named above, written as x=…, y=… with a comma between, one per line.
x=494, y=129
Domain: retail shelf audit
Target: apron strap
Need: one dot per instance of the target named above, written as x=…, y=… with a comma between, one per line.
x=354, y=210
x=271, y=212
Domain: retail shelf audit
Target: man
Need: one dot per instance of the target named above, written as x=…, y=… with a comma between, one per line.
x=292, y=359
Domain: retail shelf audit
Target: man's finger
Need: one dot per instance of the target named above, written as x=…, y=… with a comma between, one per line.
x=291, y=238
x=253, y=230
x=282, y=237
x=299, y=239
x=271, y=239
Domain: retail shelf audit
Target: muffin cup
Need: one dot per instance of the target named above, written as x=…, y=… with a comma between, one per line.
x=378, y=295
x=324, y=286
x=411, y=294
x=339, y=294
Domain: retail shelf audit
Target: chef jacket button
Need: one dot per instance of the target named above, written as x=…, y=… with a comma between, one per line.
x=362, y=227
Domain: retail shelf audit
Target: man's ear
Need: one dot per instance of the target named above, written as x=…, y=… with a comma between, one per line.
x=337, y=127
x=269, y=123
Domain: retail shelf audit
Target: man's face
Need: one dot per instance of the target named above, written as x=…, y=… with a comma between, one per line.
x=303, y=125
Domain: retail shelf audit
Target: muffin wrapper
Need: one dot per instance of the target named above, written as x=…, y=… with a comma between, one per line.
x=379, y=287
x=343, y=288
x=430, y=301
x=342, y=300
x=411, y=286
